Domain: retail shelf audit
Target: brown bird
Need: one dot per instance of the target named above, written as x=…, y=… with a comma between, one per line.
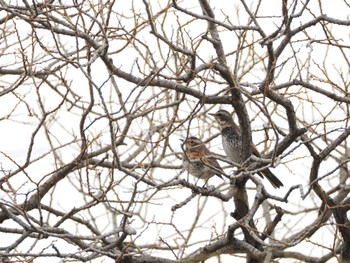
x=198, y=160
x=232, y=144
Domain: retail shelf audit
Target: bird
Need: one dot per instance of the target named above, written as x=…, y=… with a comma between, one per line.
x=232, y=143
x=198, y=160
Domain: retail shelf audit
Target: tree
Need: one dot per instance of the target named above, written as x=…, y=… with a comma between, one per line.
x=95, y=95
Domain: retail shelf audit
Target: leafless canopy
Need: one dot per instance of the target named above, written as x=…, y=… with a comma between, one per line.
x=95, y=95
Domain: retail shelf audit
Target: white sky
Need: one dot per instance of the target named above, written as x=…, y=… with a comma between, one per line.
x=16, y=136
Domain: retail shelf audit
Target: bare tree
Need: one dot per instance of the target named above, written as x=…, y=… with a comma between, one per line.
x=95, y=96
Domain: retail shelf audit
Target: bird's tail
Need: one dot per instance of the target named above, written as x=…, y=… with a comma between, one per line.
x=272, y=178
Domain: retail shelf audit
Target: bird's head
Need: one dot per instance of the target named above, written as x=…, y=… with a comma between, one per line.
x=224, y=118
x=192, y=142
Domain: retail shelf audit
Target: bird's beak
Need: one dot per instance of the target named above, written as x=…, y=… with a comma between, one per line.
x=182, y=140
x=212, y=114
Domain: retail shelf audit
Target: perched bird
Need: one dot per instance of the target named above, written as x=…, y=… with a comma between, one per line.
x=198, y=160
x=232, y=143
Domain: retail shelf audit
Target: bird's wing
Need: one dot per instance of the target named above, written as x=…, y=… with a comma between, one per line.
x=211, y=162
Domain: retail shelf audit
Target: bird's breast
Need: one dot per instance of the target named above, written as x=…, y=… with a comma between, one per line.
x=232, y=145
